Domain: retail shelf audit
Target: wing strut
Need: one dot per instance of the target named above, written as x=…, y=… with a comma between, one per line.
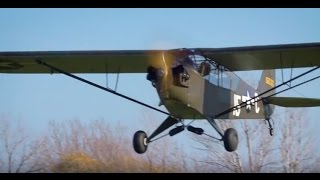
x=100, y=87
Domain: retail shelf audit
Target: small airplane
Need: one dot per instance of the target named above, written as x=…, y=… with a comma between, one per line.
x=192, y=83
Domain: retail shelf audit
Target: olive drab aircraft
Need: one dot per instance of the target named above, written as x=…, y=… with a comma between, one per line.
x=192, y=83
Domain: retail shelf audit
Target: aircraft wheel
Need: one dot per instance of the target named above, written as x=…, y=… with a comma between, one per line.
x=140, y=142
x=230, y=139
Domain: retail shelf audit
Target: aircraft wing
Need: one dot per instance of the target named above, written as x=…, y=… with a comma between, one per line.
x=112, y=61
x=265, y=57
x=137, y=61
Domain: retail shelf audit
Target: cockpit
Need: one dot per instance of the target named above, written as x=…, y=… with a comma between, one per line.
x=208, y=68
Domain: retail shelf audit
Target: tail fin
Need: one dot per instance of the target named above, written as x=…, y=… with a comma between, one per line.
x=267, y=81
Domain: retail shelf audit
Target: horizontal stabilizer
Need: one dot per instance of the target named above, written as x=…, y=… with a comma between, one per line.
x=294, y=101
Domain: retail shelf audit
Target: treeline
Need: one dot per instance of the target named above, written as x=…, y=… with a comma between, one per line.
x=75, y=146
x=98, y=147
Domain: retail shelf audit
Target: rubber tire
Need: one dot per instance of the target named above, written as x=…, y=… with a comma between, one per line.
x=230, y=139
x=138, y=142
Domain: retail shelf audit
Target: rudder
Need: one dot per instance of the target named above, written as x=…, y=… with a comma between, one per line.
x=267, y=81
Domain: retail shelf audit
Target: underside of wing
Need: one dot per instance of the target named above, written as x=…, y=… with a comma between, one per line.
x=294, y=101
x=265, y=57
x=137, y=61
x=113, y=61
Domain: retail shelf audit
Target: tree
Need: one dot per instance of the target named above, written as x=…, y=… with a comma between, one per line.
x=77, y=162
x=19, y=151
x=73, y=146
x=298, y=144
x=288, y=151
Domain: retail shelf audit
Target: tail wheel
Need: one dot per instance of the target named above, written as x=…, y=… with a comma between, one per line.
x=140, y=143
x=230, y=139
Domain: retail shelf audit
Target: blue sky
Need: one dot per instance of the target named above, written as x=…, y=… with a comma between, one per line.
x=37, y=99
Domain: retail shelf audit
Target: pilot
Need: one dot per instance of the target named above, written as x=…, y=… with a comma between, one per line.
x=204, y=68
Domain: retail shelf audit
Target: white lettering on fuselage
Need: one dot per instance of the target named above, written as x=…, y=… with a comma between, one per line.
x=245, y=99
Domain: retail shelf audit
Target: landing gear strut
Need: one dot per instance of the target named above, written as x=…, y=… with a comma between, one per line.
x=229, y=137
x=141, y=140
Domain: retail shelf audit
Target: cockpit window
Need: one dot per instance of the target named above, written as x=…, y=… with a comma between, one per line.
x=183, y=56
x=207, y=68
x=210, y=70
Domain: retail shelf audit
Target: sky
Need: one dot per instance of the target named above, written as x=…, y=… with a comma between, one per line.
x=36, y=99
